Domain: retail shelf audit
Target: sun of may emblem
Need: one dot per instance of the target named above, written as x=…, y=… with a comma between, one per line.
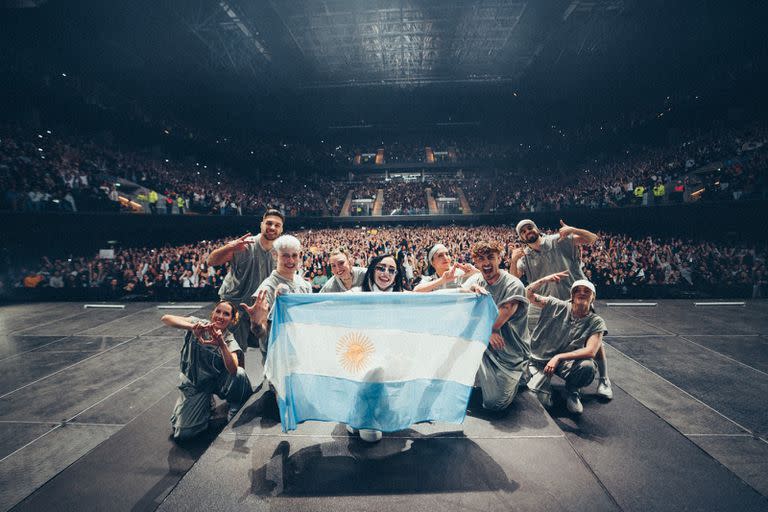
x=354, y=350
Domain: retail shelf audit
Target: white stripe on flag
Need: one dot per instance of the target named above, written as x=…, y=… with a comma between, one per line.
x=382, y=355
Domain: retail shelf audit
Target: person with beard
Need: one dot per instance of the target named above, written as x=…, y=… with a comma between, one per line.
x=345, y=276
x=566, y=340
x=211, y=362
x=250, y=262
x=284, y=279
x=548, y=254
x=506, y=358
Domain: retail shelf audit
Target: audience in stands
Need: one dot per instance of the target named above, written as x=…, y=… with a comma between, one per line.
x=48, y=172
x=619, y=265
x=51, y=175
x=404, y=198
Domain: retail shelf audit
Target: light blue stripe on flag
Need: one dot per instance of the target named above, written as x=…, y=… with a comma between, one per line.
x=385, y=406
x=382, y=361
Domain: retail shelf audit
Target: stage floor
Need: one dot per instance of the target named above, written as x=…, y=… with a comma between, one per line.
x=85, y=399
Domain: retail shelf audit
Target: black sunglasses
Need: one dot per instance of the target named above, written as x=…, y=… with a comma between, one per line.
x=381, y=268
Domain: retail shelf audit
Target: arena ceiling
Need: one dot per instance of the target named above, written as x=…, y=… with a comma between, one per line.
x=219, y=51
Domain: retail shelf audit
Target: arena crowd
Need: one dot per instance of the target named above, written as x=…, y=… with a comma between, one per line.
x=42, y=171
x=619, y=265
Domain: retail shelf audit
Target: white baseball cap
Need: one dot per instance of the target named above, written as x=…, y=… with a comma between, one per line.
x=585, y=283
x=525, y=222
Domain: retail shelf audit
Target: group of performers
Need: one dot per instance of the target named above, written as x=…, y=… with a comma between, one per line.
x=566, y=339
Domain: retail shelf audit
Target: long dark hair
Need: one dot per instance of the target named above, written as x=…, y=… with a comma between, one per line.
x=399, y=284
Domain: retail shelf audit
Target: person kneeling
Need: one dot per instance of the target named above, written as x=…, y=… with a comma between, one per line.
x=505, y=360
x=211, y=362
x=565, y=341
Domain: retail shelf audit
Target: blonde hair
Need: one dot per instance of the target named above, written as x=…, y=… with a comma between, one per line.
x=340, y=250
x=286, y=243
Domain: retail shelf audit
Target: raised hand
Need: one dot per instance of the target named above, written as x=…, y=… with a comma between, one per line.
x=554, y=278
x=202, y=331
x=217, y=337
x=565, y=229
x=450, y=274
x=468, y=268
x=517, y=253
x=241, y=244
x=258, y=311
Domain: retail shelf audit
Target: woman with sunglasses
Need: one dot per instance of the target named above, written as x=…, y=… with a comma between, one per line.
x=384, y=274
x=442, y=272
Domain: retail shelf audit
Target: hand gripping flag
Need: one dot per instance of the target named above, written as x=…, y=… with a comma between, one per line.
x=381, y=361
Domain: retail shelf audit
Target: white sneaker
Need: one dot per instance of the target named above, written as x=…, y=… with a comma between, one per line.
x=604, y=388
x=351, y=430
x=370, y=436
x=573, y=403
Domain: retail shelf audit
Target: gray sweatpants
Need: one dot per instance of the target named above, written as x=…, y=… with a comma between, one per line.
x=242, y=330
x=498, y=382
x=192, y=409
x=577, y=373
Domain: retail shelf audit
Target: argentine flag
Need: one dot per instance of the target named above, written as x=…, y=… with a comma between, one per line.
x=381, y=361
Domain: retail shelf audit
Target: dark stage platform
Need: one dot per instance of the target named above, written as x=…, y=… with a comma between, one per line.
x=85, y=399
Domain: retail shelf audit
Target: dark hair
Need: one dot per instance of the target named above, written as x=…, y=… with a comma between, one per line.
x=235, y=312
x=399, y=284
x=273, y=213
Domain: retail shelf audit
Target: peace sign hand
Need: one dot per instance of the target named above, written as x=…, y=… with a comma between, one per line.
x=555, y=278
x=241, y=244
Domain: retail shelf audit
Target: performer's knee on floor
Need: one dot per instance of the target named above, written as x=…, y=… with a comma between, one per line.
x=181, y=434
x=498, y=403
